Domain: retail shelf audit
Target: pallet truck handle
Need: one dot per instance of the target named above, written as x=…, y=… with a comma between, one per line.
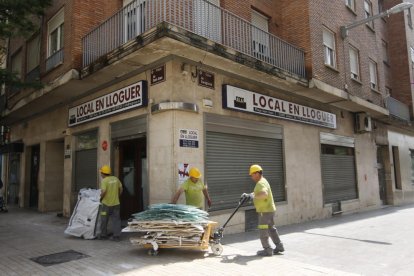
x=241, y=202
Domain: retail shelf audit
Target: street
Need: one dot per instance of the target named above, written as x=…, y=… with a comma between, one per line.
x=378, y=242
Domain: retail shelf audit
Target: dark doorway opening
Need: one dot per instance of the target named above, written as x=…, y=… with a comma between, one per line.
x=132, y=161
x=34, y=176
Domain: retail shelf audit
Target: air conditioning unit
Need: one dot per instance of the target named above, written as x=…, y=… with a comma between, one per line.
x=363, y=123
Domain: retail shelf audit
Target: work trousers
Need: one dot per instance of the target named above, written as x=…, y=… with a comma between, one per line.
x=113, y=213
x=267, y=228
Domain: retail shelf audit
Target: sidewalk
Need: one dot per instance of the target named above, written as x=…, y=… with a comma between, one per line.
x=373, y=243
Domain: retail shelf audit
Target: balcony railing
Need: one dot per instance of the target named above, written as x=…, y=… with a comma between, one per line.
x=197, y=16
x=33, y=75
x=398, y=109
x=54, y=60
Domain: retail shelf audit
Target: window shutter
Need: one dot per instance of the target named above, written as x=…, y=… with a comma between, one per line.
x=353, y=60
x=372, y=72
x=33, y=53
x=260, y=21
x=328, y=39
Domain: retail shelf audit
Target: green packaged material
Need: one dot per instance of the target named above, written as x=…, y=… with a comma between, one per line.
x=174, y=212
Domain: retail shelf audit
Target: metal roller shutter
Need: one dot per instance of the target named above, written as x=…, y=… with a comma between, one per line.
x=86, y=169
x=129, y=129
x=339, y=178
x=228, y=158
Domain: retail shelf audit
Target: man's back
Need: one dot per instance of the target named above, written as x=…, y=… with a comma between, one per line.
x=111, y=185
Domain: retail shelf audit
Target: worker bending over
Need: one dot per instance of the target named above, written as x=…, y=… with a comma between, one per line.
x=194, y=190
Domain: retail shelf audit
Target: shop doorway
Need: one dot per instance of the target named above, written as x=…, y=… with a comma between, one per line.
x=12, y=191
x=132, y=173
x=381, y=173
x=34, y=176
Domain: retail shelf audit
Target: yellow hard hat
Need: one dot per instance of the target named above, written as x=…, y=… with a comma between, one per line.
x=194, y=172
x=255, y=168
x=105, y=169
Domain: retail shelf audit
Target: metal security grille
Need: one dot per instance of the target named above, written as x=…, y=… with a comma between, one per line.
x=129, y=129
x=228, y=158
x=339, y=178
x=86, y=169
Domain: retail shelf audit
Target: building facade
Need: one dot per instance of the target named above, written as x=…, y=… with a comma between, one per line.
x=155, y=87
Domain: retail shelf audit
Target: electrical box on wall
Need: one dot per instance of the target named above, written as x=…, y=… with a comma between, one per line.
x=363, y=123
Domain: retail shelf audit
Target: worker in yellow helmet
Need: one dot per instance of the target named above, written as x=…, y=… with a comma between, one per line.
x=265, y=207
x=194, y=190
x=111, y=189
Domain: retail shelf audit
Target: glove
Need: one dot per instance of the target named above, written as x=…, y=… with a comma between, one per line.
x=247, y=196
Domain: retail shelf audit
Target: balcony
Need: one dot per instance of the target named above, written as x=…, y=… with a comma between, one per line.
x=398, y=109
x=33, y=75
x=199, y=17
x=54, y=60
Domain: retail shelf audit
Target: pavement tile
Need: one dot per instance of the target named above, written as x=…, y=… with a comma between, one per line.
x=378, y=242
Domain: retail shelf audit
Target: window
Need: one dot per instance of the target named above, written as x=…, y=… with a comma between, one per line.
x=260, y=35
x=373, y=75
x=368, y=12
x=33, y=53
x=16, y=64
x=329, y=48
x=207, y=19
x=412, y=166
x=350, y=4
x=55, y=33
x=354, y=63
x=381, y=6
x=135, y=19
x=388, y=92
x=412, y=54
x=385, y=52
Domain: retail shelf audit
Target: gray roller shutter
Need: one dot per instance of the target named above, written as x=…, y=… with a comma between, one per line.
x=129, y=129
x=339, y=178
x=228, y=158
x=86, y=169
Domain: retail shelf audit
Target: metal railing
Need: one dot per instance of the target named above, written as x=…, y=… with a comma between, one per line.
x=54, y=60
x=398, y=109
x=33, y=75
x=197, y=16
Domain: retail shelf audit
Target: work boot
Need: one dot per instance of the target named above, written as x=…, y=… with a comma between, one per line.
x=279, y=248
x=265, y=252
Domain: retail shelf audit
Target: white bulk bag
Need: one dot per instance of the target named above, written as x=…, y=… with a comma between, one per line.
x=84, y=219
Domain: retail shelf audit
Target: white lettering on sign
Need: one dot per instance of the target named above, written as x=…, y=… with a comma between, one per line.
x=132, y=96
x=248, y=101
x=189, y=134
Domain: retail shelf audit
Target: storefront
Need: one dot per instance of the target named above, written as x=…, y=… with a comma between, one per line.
x=153, y=126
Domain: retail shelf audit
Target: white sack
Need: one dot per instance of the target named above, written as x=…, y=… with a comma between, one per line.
x=85, y=215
